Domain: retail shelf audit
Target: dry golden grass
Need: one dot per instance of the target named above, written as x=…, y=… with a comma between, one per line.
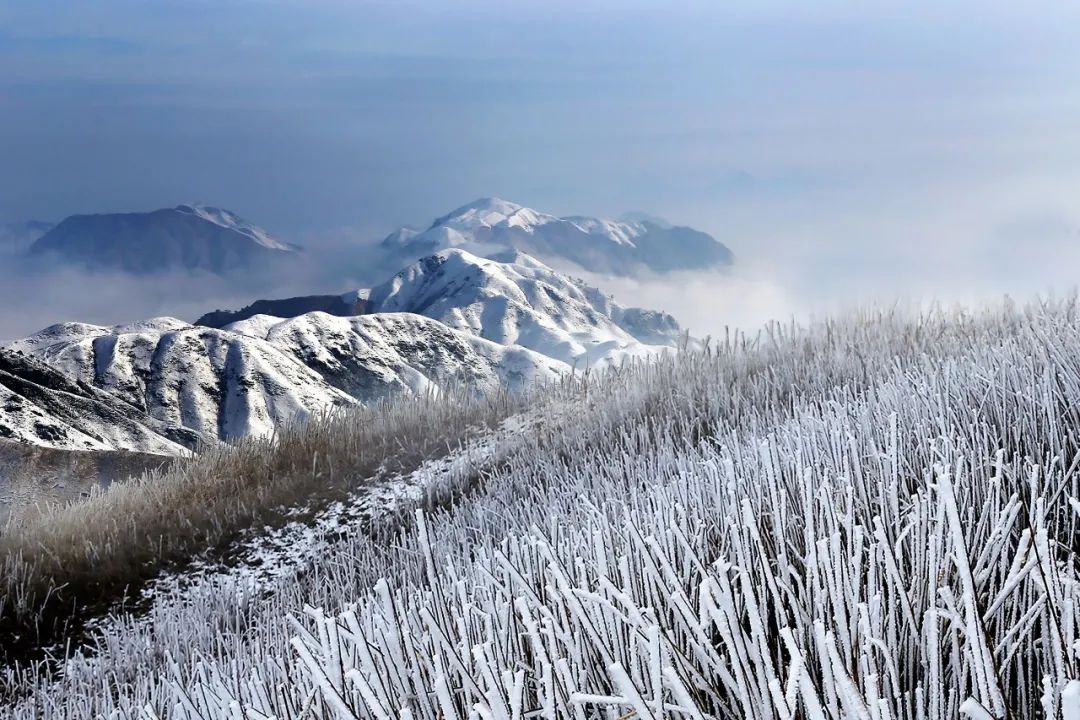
x=70, y=561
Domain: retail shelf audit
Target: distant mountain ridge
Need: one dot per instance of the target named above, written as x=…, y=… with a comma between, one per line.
x=186, y=237
x=286, y=308
x=372, y=357
x=632, y=247
x=218, y=384
x=449, y=318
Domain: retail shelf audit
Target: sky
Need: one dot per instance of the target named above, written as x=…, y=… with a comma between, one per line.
x=847, y=152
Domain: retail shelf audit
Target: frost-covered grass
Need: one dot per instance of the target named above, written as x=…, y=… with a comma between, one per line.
x=59, y=566
x=871, y=518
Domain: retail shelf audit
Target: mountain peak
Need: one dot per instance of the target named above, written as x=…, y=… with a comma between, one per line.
x=489, y=212
x=186, y=237
x=490, y=226
x=483, y=205
x=515, y=299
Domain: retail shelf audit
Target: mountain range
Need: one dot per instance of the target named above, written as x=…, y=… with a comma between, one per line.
x=510, y=299
x=370, y=357
x=514, y=298
x=211, y=239
x=637, y=245
x=451, y=317
x=218, y=384
x=264, y=372
x=483, y=304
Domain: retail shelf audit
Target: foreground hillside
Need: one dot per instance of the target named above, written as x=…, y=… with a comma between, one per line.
x=874, y=518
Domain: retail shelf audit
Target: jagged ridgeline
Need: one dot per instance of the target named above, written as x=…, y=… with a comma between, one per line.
x=875, y=517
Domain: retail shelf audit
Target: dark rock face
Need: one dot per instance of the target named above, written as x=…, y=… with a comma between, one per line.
x=652, y=327
x=286, y=308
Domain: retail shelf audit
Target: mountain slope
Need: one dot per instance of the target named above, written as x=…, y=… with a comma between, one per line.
x=219, y=384
x=186, y=237
x=510, y=299
x=376, y=356
x=492, y=225
x=255, y=375
x=41, y=406
x=516, y=299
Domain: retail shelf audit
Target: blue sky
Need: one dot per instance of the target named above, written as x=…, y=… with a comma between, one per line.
x=902, y=149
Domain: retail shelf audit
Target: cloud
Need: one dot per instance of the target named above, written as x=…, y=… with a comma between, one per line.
x=34, y=299
x=705, y=303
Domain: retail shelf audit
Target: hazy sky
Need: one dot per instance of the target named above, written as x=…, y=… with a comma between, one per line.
x=843, y=150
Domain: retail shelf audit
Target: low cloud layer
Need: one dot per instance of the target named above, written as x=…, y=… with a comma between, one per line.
x=847, y=153
x=32, y=300
x=1002, y=241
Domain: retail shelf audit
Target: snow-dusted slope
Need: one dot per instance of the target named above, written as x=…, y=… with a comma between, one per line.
x=219, y=384
x=41, y=406
x=231, y=221
x=374, y=356
x=491, y=225
x=517, y=300
x=186, y=237
x=263, y=372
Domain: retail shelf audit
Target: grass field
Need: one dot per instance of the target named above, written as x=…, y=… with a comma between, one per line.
x=872, y=517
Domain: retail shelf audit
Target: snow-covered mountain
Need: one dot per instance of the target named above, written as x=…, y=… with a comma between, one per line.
x=491, y=225
x=220, y=385
x=516, y=299
x=41, y=406
x=258, y=374
x=375, y=356
x=187, y=237
x=452, y=317
x=509, y=299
